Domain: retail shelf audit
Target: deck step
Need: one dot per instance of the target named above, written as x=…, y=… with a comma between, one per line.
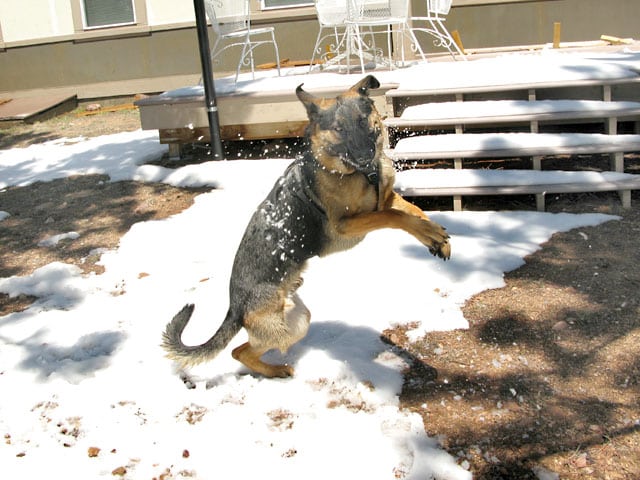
x=459, y=183
x=501, y=145
x=510, y=111
x=449, y=182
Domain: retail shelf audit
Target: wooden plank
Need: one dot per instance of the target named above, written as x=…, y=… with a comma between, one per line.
x=616, y=40
x=509, y=187
x=37, y=108
x=456, y=38
x=501, y=145
x=557, y=31
x=510, y=87
x=510, y=111
x=114, y=108
x=286, y=63
x=234, y=132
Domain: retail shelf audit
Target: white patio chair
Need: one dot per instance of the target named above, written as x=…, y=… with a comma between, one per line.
x=378, y=16
x=437, y=11
x=331, y=16
x=231, y=25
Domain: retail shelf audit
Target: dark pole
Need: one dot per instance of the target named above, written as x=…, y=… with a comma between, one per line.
x=207, y=80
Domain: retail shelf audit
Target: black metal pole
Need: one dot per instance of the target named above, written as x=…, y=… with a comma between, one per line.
x=207, y=80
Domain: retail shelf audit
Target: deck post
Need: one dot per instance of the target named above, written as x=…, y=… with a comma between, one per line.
x=207, y=80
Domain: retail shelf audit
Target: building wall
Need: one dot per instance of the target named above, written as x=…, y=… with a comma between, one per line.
x=23, y=21
x=531, y=22
x=163, y=53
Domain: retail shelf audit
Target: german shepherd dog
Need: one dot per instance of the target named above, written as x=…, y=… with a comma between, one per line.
x=327, y=200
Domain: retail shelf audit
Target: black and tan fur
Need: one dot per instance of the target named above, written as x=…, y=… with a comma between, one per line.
x=326, y=201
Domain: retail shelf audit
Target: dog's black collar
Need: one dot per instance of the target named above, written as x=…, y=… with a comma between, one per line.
x=304, y=162
x=373, y=178
x=307, y=190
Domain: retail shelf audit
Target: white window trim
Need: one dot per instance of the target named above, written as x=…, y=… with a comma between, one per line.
x=304, y=3
x=110, y=25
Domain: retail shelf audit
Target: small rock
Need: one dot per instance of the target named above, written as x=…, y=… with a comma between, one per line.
x=544, y=474
x=92, y=107
x=120, y=472
x=93, y=452
x=581, y=461
x=560, y=326
x=595, y=428
x=185, y=453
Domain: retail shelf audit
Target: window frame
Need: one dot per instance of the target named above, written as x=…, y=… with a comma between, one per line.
x=85, y=25
x=79, y=18
x=303, y=3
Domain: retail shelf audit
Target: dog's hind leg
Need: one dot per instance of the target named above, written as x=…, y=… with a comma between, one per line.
x=274, y=329
x=250, y=357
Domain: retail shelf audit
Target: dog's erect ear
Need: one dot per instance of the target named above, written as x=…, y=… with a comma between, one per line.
x=309, y=101
x=363, y=86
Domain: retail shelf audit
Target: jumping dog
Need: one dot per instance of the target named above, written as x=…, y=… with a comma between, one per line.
x=328, y=199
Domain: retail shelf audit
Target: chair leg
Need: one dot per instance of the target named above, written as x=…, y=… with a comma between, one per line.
x=315, y=49
x=275, y=47
x=389, y=48
x=448, y=40
x=338, y=42
x=359, y=47
x=414, y=40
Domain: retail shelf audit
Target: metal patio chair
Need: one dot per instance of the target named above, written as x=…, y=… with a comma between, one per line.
x=366, y=18
x=231, y=25
x=437, y=11
x=332, y=15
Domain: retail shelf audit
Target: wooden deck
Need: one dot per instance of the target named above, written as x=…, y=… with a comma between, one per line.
x=180, y=115
x=268, y=108
x=433, y=112
x=35, y=108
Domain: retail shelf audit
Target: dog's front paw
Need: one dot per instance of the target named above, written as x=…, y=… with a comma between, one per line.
x=442, y=250
x=436, y=239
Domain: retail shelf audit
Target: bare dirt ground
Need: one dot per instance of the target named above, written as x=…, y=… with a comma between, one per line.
x=545, y=381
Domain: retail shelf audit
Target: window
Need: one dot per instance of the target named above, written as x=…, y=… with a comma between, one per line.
x=270, y=4
x=107, y=13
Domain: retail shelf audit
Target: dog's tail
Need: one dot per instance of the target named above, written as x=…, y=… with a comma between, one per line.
x=188, y=356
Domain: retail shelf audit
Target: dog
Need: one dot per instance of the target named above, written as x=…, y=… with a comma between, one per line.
x=327, y=200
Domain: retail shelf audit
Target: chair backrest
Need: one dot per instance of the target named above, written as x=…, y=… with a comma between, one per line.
x=363, y=10
x=227, y=16
x=331, y=12
x=438, y=7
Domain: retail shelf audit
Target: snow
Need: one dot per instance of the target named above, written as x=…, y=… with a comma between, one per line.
x=546, y=66
x=448, y=178
x=478, y=142
x=82, y=367
x=495, y=108
x=53, y=240
x=86, y=388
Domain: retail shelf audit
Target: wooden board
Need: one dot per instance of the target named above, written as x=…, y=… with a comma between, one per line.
x=115, y=108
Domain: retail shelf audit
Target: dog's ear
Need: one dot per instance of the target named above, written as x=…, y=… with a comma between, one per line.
x=363, y=86
x=310, y=102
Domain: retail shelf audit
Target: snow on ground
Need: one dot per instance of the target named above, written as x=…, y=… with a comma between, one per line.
x=86, y=390
x=82, y=370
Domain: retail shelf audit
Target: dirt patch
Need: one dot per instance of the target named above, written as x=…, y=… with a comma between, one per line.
x=546, y=379
x=99, y=211
x=69, y=125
